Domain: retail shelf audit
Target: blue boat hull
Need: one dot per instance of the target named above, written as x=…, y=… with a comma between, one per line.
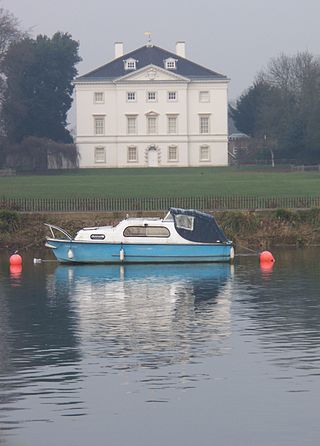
x=79, y=252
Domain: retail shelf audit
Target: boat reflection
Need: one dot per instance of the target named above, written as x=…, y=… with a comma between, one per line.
x=150, y=315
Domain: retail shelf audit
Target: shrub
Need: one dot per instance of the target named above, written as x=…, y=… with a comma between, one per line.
x=9, y=221
x=237, y=223
x=285, y=215
x=311, y=216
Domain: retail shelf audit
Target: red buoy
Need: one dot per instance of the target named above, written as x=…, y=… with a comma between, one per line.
x=266, y=257
x=15, y=259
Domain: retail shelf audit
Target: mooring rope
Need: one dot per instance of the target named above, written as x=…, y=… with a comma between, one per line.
x=255, y=251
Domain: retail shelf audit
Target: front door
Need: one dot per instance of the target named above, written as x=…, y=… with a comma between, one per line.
x=153, y=157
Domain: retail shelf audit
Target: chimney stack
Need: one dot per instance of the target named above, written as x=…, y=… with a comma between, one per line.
x=181, y=48
x=118, y=49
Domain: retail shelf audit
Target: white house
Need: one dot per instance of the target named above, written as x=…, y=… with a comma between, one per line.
x=151, y=107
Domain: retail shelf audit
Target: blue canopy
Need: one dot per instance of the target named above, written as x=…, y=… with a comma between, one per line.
x=197, y=226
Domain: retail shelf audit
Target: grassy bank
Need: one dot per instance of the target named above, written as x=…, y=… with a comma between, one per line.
x=250, y=229
x=162, y=182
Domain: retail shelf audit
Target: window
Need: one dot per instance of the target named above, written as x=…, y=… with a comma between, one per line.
x=204, y=96
x=132, y=154
x=151, y=125
x=97, y=236
x=170, y=64
x=172, y=96
x=204, y=153
x=98, y=97
x=99, y=155
x=172, y=124
x=184, y=222
x=146, y=231
x=204, y=124
x=131, y=96
x=172, y=153
x=131, y=125
x=99, y=125
x=151, y=96
x=130, y=64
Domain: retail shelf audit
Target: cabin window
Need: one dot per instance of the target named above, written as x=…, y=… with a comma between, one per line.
x=157, y=231
x=97, y=236
x=184, y=222
x=146, y=231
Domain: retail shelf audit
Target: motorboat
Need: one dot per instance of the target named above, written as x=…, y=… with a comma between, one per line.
x=183, y=235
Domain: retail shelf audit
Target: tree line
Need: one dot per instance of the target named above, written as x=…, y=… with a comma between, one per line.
x=281, y=110
x=36, y=89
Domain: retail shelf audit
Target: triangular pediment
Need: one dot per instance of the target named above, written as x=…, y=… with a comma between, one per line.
x=152, y=73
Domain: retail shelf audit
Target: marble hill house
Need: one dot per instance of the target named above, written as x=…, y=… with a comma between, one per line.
x=151, y=107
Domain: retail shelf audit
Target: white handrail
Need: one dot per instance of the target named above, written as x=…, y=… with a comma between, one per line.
x=51, y=227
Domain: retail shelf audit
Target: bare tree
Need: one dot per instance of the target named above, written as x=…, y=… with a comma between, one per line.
x=9, y=33
x=288, y=110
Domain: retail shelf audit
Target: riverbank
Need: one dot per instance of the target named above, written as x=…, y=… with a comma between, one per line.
x=255, y=230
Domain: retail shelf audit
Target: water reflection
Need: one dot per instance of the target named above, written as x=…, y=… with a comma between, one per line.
x=281, y=307
x=150, y=315
x=100, y=341
x=15, y=274
x=38, y=342
x=62, y=325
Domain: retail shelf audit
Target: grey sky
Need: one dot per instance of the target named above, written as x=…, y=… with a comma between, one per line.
x=234, y=37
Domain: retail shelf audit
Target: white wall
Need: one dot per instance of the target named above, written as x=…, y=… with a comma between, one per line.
x=187, y=108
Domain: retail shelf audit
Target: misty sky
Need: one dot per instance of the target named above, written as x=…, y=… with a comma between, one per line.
x=233, y=37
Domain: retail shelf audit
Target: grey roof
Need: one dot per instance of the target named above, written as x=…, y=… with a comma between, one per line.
x=147, y=55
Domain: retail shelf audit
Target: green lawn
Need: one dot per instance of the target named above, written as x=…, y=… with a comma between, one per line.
x=161, y=182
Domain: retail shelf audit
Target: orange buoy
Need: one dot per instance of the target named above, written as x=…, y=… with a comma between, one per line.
x=15, y=259
x=266, y=257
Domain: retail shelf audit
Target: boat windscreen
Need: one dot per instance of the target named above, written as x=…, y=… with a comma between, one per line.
x=197, y=226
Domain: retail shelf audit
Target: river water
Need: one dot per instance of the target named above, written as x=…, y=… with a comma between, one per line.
x=154, y=355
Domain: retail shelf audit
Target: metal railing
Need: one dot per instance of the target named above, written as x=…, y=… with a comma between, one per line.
x=111, y=204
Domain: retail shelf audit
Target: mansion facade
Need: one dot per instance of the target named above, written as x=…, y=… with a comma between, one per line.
x=151, y=107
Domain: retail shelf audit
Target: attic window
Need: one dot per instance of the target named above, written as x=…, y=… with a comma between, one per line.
x=130, y=64
x=170, y=64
